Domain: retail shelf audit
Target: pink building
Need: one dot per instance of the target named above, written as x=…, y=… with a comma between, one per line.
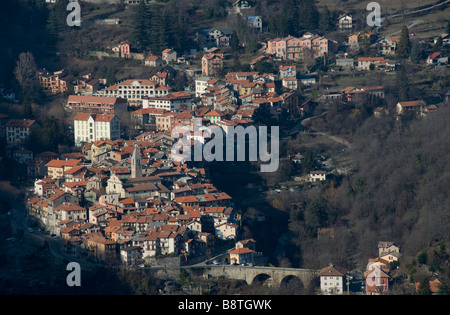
x=291, y=47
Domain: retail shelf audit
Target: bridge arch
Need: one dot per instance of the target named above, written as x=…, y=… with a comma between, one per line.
x=261, y=279
x=292, y=284
x=262, y=274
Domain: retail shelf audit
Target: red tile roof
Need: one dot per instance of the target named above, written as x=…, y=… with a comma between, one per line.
x=62, y=163
x=21, y=123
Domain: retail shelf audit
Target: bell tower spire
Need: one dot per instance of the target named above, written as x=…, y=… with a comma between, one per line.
x=136, y=166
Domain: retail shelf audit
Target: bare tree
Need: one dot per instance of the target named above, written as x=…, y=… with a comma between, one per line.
x=25, y=74
x=308, y=58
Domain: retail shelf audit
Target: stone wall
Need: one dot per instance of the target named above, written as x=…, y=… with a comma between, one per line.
x=163, y=262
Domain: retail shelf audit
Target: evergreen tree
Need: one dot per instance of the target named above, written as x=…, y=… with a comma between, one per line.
x=139, y=26
x=157, y=33
x=234, y=42
x=49, y=135
x=404, y=45
x=326, y=21
x=56, y=20
x=110, y=76
x=181, y=33
x=289, y=21
x=27, y=110
x=424, y=287
x=53, y=27
x=308, y=15
x=42, y=13
x=416, y=53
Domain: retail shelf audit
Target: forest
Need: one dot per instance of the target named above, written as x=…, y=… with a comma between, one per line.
x=397, y=191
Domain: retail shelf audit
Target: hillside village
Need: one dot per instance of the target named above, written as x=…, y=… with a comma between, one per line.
x=121, y=197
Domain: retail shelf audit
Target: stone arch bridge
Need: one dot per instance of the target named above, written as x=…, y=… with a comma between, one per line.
x=252, y=274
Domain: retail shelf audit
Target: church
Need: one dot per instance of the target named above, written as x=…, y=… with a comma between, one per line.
x=137, y=186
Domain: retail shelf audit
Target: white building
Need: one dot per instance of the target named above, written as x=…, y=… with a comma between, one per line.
x=130, y=255
x=345, y=22
x=332, y=280
x=71, y=211
x=134, y=90
x=18, y=130
x=315, y=176
x=173, y=102
x=201, y=86
x=90, y=127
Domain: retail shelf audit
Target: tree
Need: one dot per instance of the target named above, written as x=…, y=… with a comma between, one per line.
x=422, y=258
x=25, y=74
x=140, y=26
x=447, y=28
x=444, y=289
x=49, y=135
x=157, y=34
x=309, y=163
x=424, y=287
x=234, y=42
x=404, y=45
x=215, y=8
x=27, y=110
x=181, y=32
x=265, y=67
x=308, y=59
x=325, y=21
x=57, y=19
x=289, y=21
x=308, y=15
x=402, y=83
x=438, y=44
x=110, y=76
x=416, y=53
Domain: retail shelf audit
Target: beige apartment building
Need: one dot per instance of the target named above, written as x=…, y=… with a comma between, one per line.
x=211, y=64
x=89, y=127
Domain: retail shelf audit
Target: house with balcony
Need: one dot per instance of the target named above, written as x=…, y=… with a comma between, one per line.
x=412, y=107
x=388, y=45
x=96, y=104
x=345, y=22
x=52, y=82
x=212, y=64
x=57, y=168
x=292, y=48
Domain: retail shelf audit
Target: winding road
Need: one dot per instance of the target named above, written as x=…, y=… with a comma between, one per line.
x=302, y=124
x=415, y=22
